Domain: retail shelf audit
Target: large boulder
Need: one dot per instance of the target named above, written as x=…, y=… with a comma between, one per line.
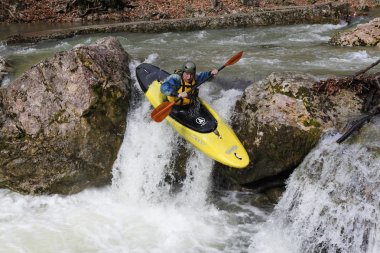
x=280, y=119
x=62, y=122
x=363, y=35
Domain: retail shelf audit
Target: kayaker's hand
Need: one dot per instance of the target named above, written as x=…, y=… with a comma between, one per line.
x=182, y=94
x=214, y=72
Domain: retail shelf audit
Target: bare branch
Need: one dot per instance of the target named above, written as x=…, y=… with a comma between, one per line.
x=366, y=69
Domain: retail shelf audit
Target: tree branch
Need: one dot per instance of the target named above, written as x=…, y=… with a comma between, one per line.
x=368, y=68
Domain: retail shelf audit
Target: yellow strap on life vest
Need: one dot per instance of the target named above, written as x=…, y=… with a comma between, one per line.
x=184, y=87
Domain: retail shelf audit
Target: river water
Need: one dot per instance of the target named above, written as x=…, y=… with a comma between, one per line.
x=331, y=203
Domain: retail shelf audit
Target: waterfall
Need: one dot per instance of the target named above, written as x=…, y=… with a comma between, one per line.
x=144, y=159
x=331, y=203
x=137, y=213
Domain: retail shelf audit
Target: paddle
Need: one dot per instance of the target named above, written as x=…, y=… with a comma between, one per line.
x=164, y=109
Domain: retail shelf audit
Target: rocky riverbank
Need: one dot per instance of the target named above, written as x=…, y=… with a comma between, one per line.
x=324, y=13
x=363, y=35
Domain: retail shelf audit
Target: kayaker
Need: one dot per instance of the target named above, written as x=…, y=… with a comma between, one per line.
x=179, y=84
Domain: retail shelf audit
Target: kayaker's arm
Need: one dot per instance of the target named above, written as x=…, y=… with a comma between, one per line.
x=214, y=72
x=203, y=76
x=170, y=85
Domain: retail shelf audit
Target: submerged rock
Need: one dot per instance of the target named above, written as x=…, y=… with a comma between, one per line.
x=363, y=35
x=62, y=122
x=279, y=121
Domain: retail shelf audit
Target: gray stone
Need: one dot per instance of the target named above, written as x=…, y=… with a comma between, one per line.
x=363, y=35
x=62, y=122
x=279, y=121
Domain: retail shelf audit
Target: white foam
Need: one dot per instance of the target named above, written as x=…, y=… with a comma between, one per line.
x=3, y=47
x=241, y=39
x=223, y=102
x=202, y=34
x=5, y=82
x=63, y=45
x=138, y=213
x=331, y=202
x=310, y=37
x=152, y=58
x=25, y=51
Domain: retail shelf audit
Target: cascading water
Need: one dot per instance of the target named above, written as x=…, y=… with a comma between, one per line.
x=139, y=212
x=143, y=163
x=331, y=203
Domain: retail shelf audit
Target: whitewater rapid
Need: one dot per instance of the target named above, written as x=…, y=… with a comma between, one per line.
x=138, y=212
x=331, y=200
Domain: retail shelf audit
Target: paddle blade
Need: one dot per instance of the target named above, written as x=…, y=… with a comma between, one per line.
x=234, y=59
x=162, y=111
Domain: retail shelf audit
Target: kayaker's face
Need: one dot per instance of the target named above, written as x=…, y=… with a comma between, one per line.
x=188, y=77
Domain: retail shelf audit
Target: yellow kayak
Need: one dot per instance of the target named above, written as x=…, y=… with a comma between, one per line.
x=204, y=129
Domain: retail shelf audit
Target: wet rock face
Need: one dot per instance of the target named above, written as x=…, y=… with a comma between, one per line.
x=62, y=122
x=279, y=121
x=363, y=35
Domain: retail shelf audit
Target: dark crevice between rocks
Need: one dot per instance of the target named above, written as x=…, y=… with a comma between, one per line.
x=266, y=192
